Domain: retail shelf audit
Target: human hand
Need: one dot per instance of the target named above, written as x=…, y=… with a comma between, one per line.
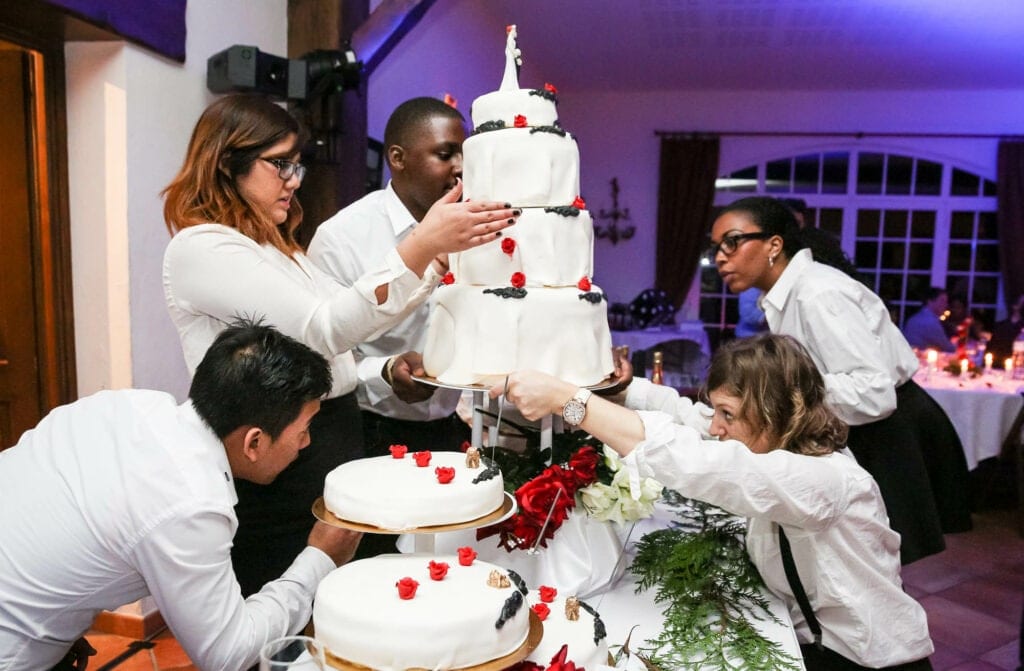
x=453, y=226
x=339, y=544
x=623, y=372
x=535, y=394
x=402, y=383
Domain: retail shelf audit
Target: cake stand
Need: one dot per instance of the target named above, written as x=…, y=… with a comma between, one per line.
x=423, y=536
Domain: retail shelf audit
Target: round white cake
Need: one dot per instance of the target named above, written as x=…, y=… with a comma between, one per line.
x=399, y=494
x=458, y=621
x=585, y=636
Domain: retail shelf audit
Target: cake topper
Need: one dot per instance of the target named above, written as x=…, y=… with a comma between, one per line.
x=513, y=59
x=472, y=457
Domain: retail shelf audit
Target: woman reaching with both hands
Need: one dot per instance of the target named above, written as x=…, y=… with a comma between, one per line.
x=233, y=212
x=779, y=463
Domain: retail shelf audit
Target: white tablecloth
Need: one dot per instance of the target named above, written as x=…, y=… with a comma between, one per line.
x=982, y=409
x=648, y=338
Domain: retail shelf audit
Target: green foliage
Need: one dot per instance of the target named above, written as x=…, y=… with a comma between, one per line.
x=704, y=579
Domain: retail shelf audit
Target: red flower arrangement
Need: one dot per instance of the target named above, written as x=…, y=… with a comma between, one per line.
x=558, y=663
x=518, y=280
x=508, y=245
x=448, y=278
x=554, y=492
x=519, y=121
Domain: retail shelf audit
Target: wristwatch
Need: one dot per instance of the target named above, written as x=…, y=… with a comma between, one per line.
x=575, y=409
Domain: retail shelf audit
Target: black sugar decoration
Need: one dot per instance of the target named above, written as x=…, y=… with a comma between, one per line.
x=556, y=130
x=509, y=609
x=594, y=297
x=491, y=471
x=599, y=630
x=544, y=93
x=507, y=292
x=518, y=581
x=497, y=124
x=564, y=210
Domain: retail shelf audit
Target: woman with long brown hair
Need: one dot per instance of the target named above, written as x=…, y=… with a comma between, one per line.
x=779, y=462
x=233, y=212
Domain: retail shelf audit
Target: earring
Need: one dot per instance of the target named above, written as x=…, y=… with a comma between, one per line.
x=771, y=261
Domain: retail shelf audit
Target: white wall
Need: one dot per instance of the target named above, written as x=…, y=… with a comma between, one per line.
x=462, y=53
x=130, y=114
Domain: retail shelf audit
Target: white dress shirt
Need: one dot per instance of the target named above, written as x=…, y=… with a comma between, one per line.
x=345, y=246
x=120, y=495
x=213, y=274
x=849, y=334
x=845, y=553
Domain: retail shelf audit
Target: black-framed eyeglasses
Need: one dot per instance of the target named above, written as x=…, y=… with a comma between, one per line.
x=285, y=169
x=731, y=243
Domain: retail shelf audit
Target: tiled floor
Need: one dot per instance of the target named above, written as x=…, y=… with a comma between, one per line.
x=973, y=593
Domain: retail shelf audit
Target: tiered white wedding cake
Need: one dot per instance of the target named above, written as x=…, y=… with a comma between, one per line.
x=526, y=301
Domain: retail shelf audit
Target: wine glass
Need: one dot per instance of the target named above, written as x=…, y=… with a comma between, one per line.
x=293, y=653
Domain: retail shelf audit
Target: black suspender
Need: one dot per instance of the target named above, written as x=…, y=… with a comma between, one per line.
x=798, y=588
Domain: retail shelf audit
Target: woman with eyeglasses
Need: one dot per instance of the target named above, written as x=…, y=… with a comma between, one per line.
x=232, y=211
x=781, y=465
x=897, y=432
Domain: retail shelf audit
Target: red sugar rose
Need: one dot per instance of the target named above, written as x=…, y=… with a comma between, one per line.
x=422, y=458
x=518, y=280
x=519, y=121
x=466, y=555
x=445, y=474
x=542, y=611
x=465, y=446
x=548, y=594
x=579, y=203
x=584, y=284
x=508, y=245
x=398, y=451
x=448, y=278
x=550, y=88
x=438, y=569
x=406, y=588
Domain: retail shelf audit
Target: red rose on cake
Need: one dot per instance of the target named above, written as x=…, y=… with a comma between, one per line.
x=584, y=284
x=422, y=458
x=466, y=555
x=519, y=121
x=448, y=278
x=398, y=451
x=406, y=588
x=445, y=474
x=518, y=280
x=547, y=594
x=508, y=245
x=542, y=610
x=438, y=569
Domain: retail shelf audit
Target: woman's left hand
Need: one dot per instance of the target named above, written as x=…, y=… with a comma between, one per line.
x=535, y=394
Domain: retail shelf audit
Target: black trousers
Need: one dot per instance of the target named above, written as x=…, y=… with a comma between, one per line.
x=826, y=660
x=274, y=520
x=380, y=432
x=918, y=462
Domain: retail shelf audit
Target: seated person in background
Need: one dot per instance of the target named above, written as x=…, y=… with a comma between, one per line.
x=781, y=464
x=126, y=493
x=924, y=329
x=1006, y=331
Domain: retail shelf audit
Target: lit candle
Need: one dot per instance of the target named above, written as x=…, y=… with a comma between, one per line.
x=933, y=356
x=988, y=362
x=963, y=366
x=1008, y=368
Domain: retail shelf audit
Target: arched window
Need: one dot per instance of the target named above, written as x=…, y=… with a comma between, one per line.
x=907, y=222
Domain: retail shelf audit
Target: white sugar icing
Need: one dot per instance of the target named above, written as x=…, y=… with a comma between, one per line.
x=521, y=167
x=505, y=106
x=448, y=624
x=397, y=494
x=579, y=635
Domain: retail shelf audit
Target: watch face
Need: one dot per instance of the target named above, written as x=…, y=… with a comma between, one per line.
x=573, y=412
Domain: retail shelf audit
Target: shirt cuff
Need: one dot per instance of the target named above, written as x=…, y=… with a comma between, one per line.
x=637, y=392
x=401, y=281
x=369, y=372
x=659, y=432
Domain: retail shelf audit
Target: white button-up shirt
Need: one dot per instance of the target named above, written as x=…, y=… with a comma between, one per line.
x=213, y=274
x=849, y=334
x=845, y=553
x=120, y=495
x=355, y=239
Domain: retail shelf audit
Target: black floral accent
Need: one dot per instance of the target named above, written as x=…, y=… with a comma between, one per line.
x=599, y=630
x=510, y=608
x=544, y=93
x=564, y=210
x=491, y=471
x=497, y=124
x=518, y=581
x=507, y=292
x=594, y=297
x=555, y=129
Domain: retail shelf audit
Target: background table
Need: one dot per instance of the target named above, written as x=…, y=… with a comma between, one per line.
x=644, y=339
x=982, y=409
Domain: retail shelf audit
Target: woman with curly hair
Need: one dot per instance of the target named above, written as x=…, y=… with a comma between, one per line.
x=780, y=462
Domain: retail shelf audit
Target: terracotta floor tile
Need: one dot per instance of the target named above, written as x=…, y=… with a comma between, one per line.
x=1005, y=657
x=965, y=629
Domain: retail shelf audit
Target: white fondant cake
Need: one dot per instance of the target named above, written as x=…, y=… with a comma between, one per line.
x=586, y=637
x=450, y=623
x=398, y=494
x=525, y=301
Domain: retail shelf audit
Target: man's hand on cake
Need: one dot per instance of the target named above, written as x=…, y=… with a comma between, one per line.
x=535, y=394
x=399, y=372
x=337, y=543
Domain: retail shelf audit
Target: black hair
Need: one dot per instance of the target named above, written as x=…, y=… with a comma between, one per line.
x=254, y=375
x=932, y=293
x=410, y=114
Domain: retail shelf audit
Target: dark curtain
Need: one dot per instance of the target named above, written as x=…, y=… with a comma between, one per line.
x=156, y=24
x=1010, y=216
x=686, y=194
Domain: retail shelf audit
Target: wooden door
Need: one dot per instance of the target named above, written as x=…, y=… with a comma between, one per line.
x=20, y=397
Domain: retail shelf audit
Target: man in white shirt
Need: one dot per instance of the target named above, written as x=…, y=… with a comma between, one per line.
x=423, y=146
x=125, y=494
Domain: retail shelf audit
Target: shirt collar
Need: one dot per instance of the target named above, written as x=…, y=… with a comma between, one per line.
x=217, y=450
x=777, y=296
x=401, y=219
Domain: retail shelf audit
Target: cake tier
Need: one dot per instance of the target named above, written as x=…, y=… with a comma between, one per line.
x=537, y=107
x=522, y=166
x=398, y=494
x=586, y=637
x=448, y=624
x=549, y=248
x=478, y=338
